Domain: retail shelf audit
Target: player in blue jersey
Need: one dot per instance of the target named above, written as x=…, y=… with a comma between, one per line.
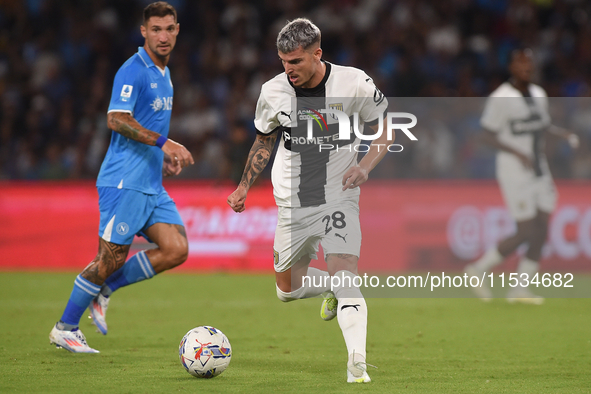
x=131, y=197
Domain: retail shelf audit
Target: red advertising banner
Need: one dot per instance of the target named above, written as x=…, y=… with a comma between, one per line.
x=406, y=225
x=443, y=225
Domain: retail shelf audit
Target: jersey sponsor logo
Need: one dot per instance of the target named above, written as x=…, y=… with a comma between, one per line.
x=122, y=228
x=313, y=140
x=162, y=104
x=153, y=85
x=337, y=107
x=126, y=92
x=309, y=113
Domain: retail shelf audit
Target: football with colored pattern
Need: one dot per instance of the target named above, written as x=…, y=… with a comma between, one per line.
x=205, y=352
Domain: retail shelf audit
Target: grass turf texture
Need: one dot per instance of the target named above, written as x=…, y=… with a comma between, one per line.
x=420, y=345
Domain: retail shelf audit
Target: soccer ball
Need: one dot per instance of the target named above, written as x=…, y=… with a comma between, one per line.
x=205, y=352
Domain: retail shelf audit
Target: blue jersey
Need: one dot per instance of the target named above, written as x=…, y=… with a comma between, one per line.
x=145, y=91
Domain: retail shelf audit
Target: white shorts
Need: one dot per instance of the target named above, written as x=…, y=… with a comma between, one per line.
x=300, y=231
x=525, y=198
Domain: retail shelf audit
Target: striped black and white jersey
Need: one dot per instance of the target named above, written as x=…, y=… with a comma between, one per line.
x=309, y=171
x=520, y=121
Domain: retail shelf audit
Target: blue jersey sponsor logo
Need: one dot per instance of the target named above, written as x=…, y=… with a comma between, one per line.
x=162, y=104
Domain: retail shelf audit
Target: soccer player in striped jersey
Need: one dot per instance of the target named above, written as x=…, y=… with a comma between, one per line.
x=515, y=120
x=316, y=180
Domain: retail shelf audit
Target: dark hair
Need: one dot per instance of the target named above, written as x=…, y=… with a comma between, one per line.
x=520, y=50
x=159, y=9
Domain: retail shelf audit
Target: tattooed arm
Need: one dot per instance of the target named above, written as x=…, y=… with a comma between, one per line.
x=125, y=124
x=258, y=158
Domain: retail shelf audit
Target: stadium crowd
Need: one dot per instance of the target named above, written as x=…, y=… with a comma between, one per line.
x=58, y=60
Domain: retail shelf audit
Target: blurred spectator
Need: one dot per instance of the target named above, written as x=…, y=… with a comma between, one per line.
x=58, y=59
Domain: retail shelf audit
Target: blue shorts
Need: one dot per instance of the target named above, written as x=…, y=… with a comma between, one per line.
x=125, y=213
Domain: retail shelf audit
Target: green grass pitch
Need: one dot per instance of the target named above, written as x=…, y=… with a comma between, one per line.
x=420, y=345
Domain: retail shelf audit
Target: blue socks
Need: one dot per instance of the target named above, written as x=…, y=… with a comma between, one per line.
x=136, y=269
x=83, y=292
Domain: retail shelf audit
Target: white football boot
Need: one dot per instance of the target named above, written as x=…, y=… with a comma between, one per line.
x=357, y=369
x=73, y=341
x=524, y=296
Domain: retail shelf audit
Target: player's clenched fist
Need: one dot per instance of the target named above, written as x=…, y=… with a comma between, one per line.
x=237, y=199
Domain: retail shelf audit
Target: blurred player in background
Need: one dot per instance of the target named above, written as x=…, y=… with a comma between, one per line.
x=131, y=197
x=515, y=120
x=316, y=190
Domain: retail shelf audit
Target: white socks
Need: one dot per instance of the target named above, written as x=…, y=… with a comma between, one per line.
x=492, y=258
x=352, y=309
x=351, y=313
x=317, y=283
x=488, y=260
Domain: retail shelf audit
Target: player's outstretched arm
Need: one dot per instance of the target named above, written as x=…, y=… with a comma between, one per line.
x=357, y=175
x=258, y=158
x=490, y=138
x=127, y=126
x=572, y=138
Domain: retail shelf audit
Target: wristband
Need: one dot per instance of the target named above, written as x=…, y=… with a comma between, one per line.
x=161, y=141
